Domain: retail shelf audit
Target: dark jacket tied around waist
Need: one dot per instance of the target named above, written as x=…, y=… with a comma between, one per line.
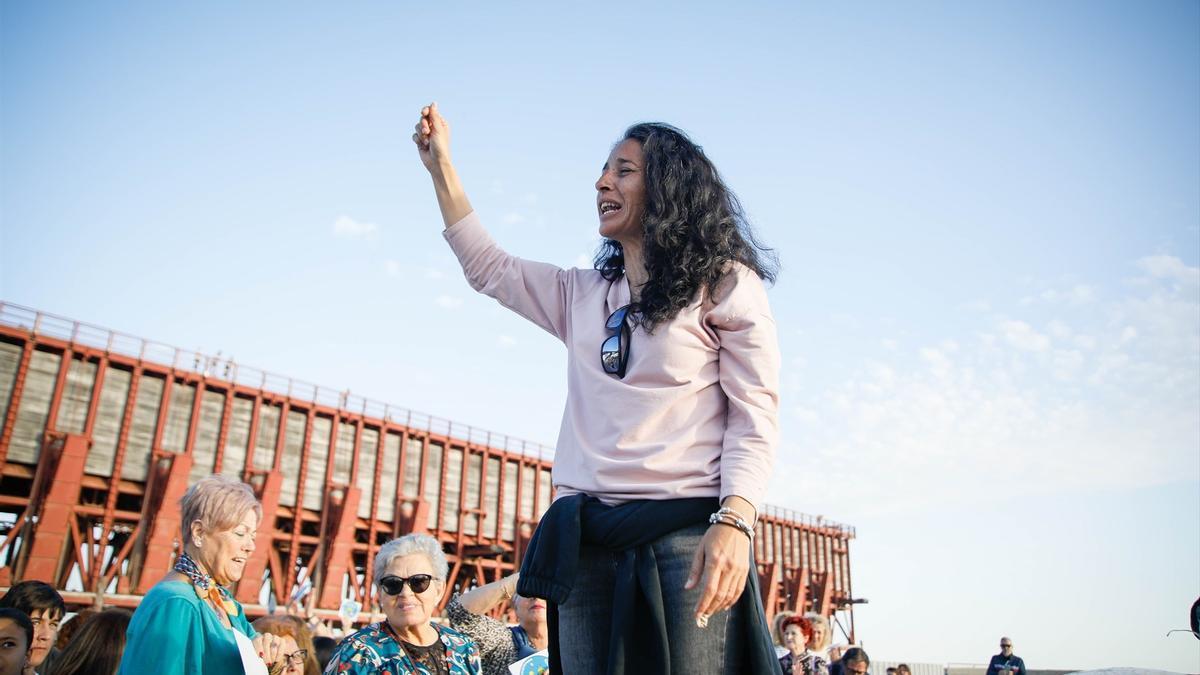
x=639, y=630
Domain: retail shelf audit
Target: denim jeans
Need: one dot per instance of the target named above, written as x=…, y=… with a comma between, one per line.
x=585, y=619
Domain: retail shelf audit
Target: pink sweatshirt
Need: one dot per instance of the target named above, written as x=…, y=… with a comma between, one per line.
x=696, y=414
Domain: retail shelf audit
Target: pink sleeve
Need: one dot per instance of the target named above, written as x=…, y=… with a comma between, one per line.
x=537, y=291
x=749, y=361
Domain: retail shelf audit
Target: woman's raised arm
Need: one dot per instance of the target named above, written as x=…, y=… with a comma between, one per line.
x=432, y=138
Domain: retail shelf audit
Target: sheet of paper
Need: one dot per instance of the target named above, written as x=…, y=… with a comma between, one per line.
x=534, y=664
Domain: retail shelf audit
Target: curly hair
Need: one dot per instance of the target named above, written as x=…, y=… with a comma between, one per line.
x=806, y=626
x=693, y=227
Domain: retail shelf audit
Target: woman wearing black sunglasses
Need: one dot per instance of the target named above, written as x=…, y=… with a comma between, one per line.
x=411, y=575
x=667, y=439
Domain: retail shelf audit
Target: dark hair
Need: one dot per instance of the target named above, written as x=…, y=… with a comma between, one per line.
x=72, y=626
x=693, y=227
x=21, y=619
x=32, y=596
x=324, y=646
x=904, y=667
x=854, y=655
x=97, y=647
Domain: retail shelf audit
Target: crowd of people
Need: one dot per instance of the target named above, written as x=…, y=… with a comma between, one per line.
x=189, y=623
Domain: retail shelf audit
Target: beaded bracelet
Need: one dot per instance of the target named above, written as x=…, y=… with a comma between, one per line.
x=730, y=517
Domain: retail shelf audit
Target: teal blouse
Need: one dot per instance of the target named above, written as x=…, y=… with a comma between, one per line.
x=174, y=633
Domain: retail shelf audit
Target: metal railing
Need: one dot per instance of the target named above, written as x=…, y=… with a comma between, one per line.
x=41, y=323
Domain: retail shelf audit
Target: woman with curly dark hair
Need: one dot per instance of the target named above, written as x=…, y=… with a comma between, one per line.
x=668, y=435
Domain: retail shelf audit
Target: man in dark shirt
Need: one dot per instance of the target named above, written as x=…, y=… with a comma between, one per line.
x=854, y=662
x=1005, y=663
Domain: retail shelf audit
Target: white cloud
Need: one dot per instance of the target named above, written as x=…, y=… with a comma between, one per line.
x=583, y=261
x=506, y=341
x=806, y=415
x=1107, y=397
x=1077, y=294
x=1059, y=330
x=448, y=302
x=512, y=218
x=347, y=227
x=1170, y=267
x=1022, y=336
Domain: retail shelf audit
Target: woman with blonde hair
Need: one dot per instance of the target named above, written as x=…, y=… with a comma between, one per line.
x=822, y=635
x=189, y=622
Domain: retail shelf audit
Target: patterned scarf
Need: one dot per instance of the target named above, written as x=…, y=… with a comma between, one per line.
x=205, y=586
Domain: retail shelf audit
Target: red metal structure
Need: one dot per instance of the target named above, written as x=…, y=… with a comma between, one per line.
x=103, y=432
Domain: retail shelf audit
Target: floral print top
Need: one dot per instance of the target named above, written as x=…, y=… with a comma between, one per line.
x=375, y=649
x=810, y=662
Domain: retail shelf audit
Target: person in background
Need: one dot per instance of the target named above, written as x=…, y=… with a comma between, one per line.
x=854, y=662
x=16, y=638
x=822, y=635
x=72, y=626
x=836, y=651
x=891, y=670
x=411, y=575
x=96, y=647
x=188, y=623
x=65, y=633
x=296, y=651
x=500, y=645
x=1006, y=663
x=777, y=631
x=324, y=646
x=45, y=609
x=902, y=669
x=800, y=660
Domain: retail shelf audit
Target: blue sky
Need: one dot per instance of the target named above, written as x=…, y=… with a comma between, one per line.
x=988, y=217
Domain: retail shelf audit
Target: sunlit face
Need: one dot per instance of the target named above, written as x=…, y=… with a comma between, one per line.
x=531, y=612
x=621, y=193
x=224, y=553
x=820, y=633
x=408, y=609
x=1006, y=647
x=13, y=650
x=793, y=639
x=45, y=632
x=292, y=655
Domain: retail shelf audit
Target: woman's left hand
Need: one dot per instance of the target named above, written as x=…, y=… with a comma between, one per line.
x=720, y=567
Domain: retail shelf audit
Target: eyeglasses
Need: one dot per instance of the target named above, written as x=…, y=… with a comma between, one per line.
x=393, y=585
x=1006, y=645
x=296, y=658
x=614, y=352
